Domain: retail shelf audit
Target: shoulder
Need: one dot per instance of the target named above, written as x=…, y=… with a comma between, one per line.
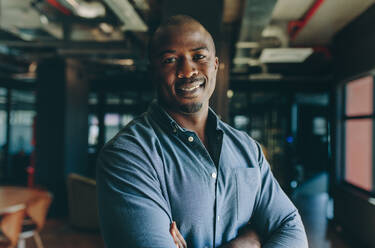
x=135, y=142
x=136, y=131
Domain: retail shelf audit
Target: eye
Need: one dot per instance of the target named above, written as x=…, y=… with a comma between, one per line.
x=198, y=56
x=169, y=60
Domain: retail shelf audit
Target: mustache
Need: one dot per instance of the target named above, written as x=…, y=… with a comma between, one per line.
x=182, y=81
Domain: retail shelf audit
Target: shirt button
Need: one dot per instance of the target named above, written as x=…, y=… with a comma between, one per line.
x=218, y=218
x=190, y=139
x=174, y=130
x=213, y=175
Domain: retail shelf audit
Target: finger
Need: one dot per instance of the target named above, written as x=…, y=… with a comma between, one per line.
x=179, y=236
x=172, y=231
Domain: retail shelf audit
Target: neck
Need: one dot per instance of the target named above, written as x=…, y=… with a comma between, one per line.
x=195, y=122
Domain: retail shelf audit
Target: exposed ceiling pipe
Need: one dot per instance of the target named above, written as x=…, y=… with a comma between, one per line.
x=294, y=27
x=59, y=6
x=127, y=14
x=85, y=9
x=257, y=15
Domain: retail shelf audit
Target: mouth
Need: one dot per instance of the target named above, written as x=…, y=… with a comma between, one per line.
x=190, y=89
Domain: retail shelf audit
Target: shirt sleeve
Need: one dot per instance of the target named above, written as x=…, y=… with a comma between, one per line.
x=132, y=209
x=275, y=216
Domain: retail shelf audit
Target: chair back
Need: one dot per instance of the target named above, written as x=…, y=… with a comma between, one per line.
x=83, y=208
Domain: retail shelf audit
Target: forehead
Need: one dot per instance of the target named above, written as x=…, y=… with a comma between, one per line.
x=182, y=37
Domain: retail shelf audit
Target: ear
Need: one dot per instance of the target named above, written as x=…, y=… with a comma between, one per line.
x=216, y=63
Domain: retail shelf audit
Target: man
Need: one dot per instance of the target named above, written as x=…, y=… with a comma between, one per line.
x=178, y=165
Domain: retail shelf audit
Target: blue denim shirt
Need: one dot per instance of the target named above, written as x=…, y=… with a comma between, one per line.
x=154, y=172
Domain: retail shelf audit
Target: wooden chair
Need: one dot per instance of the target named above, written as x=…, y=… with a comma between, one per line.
x=36, y=213
x=11, y=226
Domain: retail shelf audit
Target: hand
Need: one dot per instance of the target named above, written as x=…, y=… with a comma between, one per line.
x=177, y=237
x=248, y=238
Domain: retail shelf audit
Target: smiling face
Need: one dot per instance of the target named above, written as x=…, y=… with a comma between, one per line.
x=184, y=67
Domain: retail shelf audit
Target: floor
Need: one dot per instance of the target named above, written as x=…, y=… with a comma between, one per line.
x=320, y=232
x=58, y=234
x=313, y=209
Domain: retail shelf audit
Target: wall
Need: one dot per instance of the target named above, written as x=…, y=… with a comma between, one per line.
x=354, y=53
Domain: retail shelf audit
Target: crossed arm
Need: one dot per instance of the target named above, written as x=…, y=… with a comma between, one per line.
x=246, y=239
x=126, y=210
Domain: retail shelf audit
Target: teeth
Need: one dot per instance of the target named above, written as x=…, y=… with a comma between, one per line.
x=192, y=86
x=190, y=89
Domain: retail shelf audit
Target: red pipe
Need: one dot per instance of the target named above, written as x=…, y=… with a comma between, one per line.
x=294, y=27
x=60, y=7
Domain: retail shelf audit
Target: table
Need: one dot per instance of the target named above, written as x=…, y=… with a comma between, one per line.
x=18, y=202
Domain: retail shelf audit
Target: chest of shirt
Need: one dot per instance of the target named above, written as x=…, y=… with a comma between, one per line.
x=204, y=197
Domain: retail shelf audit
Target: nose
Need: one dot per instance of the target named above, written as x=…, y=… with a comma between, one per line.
x=186, y=69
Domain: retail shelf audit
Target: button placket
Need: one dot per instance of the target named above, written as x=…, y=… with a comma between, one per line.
x=190, y=139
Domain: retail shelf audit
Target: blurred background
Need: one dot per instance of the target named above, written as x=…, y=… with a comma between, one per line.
x=296, y=75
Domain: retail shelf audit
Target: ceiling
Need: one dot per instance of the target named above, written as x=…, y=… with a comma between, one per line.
x=274, y=36
x=287, y=29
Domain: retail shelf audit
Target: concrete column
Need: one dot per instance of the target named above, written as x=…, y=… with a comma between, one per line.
x=61, y=129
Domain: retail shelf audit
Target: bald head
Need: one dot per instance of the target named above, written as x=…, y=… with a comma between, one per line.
x=174, y=25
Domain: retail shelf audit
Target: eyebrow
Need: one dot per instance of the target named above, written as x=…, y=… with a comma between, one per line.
x=199, y=48
x=166, y=51
x=193, y=50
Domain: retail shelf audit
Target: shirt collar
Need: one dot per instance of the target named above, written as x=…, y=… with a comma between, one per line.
x=157, y=112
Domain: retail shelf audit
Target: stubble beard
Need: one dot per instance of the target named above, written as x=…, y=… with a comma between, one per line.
x=191, y=108
x=188, y=108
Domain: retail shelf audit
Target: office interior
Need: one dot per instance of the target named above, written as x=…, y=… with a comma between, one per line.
x=297, y=76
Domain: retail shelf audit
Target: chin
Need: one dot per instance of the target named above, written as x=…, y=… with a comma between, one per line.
x=191, y=108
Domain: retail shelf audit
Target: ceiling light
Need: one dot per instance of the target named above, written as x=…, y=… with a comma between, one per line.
x=266, y=76
x=285, y=55
x=87, y=9
x=44, y=19
x=33, y=66
x=230, y=93
x=248, y=61
x=106, y=28
x=126, y=62
x=247, y=44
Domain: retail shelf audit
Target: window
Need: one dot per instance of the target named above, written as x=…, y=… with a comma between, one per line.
x=358, y=124
x=16, y=134
x=93, y=130
x=112, y=125
x=21, y=121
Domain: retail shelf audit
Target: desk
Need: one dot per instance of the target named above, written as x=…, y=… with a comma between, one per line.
x=15, y=203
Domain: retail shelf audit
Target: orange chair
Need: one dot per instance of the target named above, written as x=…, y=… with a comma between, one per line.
x=36, y=213
x=11, y=226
